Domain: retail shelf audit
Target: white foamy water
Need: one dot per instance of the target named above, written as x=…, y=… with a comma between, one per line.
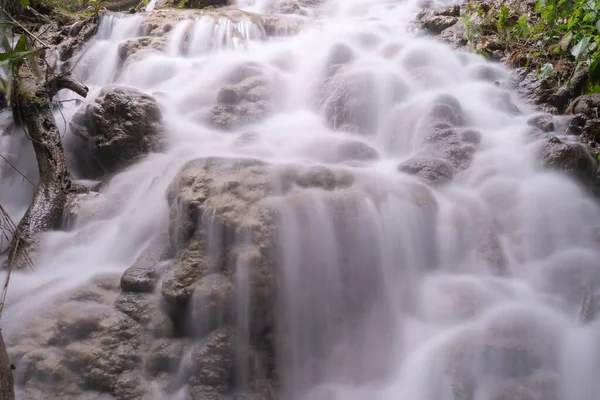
x=391, y=289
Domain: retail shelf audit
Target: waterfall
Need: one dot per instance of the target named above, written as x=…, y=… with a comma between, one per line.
x=342, y=210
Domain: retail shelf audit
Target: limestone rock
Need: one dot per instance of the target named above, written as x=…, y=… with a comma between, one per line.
x=119, y=126
x=432, y=170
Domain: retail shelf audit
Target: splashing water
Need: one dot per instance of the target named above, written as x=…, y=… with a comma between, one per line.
x=465, y=287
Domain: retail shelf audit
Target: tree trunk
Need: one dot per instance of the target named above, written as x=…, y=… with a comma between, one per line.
x=33, y=108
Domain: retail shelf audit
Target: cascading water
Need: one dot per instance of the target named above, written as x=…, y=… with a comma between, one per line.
x=341, y=274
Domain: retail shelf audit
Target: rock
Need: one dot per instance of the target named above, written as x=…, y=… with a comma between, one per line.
x=452, y=10
x=220, y=199
x=507, y=356
x=438, y=19
x=356, y=150
x=455, y=35
x=572, y=158
x=543, y=92
x=212, y=302
x=138, y=279
x=7, y=390
x=432, y=170
x=436, y=24
x=118, y=127
x=244, y=102
x=543, y=122
x=164, y=356
x=346, y=99
x=212, y=361
x=587, y=105
x=205, y=3
x=591, y=131
x=569, y=274
x=141, y=277
x=452, y=145
x=129, y=48
x=340, y=54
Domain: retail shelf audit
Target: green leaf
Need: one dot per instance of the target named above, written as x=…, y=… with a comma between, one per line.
x=546, y=71
x=579, y=49
x=594, y=70
x=503, y=17
x=21, y=45
x=25, y=3
x=19, y=55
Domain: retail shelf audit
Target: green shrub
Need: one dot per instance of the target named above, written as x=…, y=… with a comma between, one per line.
x=557, y=31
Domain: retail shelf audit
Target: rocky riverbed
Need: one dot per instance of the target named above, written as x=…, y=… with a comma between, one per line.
x=299, y=200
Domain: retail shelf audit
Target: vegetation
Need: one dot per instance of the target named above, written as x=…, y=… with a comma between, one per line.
x=556, y=37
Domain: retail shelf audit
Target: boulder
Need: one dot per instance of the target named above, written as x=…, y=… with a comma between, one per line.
x=121, y=125
x=131, y=49
x=587, y=105
x=437, y=23
x=248, y=99
x=212, y=302
x=347, y=97
x=432, y=170
x=574, y=159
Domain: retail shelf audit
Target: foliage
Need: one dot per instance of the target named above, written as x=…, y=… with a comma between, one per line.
x=555, y=33
x=12, y=56
x=95, y=6
x=67, y=5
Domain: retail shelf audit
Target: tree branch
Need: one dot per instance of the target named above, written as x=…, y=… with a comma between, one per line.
x=65, y=80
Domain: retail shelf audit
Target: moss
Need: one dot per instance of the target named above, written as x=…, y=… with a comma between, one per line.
x=26, y=91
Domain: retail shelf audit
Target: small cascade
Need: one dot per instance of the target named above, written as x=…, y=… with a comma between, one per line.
x=308, y=206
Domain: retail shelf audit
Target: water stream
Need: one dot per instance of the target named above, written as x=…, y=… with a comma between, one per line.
x=387, y=287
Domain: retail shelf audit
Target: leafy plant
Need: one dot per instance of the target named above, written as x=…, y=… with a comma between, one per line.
x=13, y=57
x=559, y=32
x=95, y=6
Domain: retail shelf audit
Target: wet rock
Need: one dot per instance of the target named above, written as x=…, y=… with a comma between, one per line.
x=514, y=349
x=572, y=158
x=587, y=105
x=569, y=274
x=212, y=302
x=432, y=170
x=128, y=49
x=455, y=35
x=76, y=322
x=139, y=279
x=452, y=10
x=543, y=122
x=102, y=345
x=118, y=127
x=346, y=99
x=540, y=386
x=216, y=198
x=446, y=110
x=205, y=3
x=356, y=150
x=161, y=22
x=543, y=92
x=438, y=19
x=245, y=102
x=212, y=361
x=590, y=133
x=79, y=36
x=437, y=23
x=164, y=356
x=339, y=55
x=451, y=145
